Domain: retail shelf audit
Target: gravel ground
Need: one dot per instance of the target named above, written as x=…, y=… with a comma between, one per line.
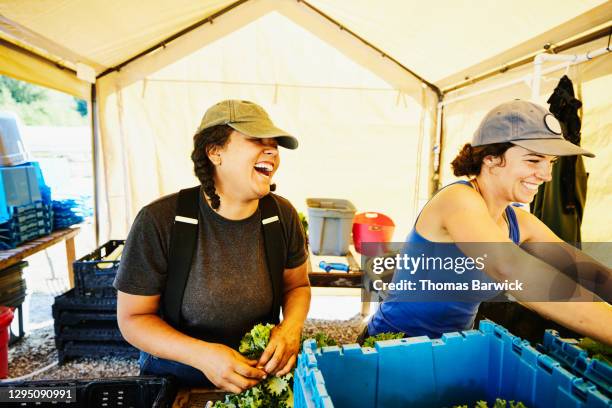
x=37, y=350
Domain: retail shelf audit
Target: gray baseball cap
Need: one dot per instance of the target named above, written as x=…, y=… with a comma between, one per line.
x=247, y=118
x=527, y=125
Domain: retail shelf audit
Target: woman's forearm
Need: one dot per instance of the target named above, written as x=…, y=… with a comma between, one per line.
x=149, y=333
x=592, y=319
x=296, y=305
x=540, y=281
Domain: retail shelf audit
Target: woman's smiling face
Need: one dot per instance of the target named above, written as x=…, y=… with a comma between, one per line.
x=247, y=165
x=521, y=174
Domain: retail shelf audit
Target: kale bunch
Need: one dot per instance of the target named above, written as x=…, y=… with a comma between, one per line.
x=273, y=391
x=499, y=403
x=255, y=341
x=369, y=342
x=322, y=339
x=596, y=350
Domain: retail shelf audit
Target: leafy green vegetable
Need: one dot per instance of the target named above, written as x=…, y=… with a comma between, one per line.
x=499, y=403
x=369, y=342
x=277, y=385
x=254, y=342
x=271, y=392
x=596, y=350
x=304, y=221
x=322, y=339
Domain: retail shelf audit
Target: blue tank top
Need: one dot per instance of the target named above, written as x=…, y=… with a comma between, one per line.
x=431, y=319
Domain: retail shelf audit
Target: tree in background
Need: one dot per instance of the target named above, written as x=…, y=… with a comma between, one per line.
x=81, y=106
x=38, y=106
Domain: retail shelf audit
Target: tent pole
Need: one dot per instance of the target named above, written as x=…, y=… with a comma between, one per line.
x=573, y=59
x=436, y=151
x=527, y=60
x=568, y=60
x=94, y=159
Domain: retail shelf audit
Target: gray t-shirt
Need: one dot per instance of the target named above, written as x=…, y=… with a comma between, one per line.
x=229, y=288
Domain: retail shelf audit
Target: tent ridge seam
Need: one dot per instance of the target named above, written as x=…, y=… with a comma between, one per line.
x=180, y=33
x=372, y=46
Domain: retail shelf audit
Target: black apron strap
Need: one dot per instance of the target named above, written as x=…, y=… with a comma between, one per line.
x=183, y=240
x=276, y=251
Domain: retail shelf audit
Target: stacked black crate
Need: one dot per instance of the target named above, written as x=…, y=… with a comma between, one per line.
x=86, y=316
x=13, y=292
x=12, y=285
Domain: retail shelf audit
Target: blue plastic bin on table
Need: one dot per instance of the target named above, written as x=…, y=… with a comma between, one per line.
x=577, y=361
x=25, y=205
x=457, y=369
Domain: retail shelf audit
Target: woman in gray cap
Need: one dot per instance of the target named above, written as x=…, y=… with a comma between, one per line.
x=200, y=268
x=511, y=155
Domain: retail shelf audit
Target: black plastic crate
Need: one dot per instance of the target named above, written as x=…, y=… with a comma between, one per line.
x=70, y=301
x=12, y=273
x=83, y=348
x=71, y=318
x=88, y=331
x=134, y=392
x=93, y=275
x=12, y=284
x=8, y=296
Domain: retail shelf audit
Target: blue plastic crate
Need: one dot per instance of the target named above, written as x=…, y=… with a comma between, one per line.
x=577, y=361
x=25, y=223
x=457, y=369
x=18, y=186
x=21, y=186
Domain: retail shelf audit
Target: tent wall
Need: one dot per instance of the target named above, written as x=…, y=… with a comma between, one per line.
x=592, y=80
x=360, y=137
x=25, y=67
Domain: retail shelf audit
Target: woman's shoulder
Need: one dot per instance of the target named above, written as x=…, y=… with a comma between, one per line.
x=162, y=206
x=283, y=203
x=447, y=202
x=456, y=195
x=159, y=212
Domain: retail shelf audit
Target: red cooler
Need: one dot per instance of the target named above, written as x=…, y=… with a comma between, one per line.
x=6, y=317
x=372, y=227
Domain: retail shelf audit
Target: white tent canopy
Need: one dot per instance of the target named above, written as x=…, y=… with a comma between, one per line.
x=357, y=82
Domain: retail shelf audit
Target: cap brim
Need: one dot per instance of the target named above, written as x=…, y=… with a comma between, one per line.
x=552, y=147
x=264, y=131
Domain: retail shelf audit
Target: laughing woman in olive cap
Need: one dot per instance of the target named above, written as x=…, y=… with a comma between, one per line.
x=229, y=287
x=511, y=155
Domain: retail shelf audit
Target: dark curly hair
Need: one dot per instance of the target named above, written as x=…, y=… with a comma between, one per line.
x=203, y=142
x=469, y=160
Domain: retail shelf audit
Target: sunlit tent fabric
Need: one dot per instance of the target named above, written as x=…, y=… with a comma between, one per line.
x=359, y=137
x=367, y=126
x=592, y=79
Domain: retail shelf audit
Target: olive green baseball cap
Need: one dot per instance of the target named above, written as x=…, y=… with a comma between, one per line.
x=247, y=118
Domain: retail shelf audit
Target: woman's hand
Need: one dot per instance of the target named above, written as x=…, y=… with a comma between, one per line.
x=281, y=353
x=229, y=370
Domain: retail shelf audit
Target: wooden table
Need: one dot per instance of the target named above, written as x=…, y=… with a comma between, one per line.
x=337, y=279
x=12, y=256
